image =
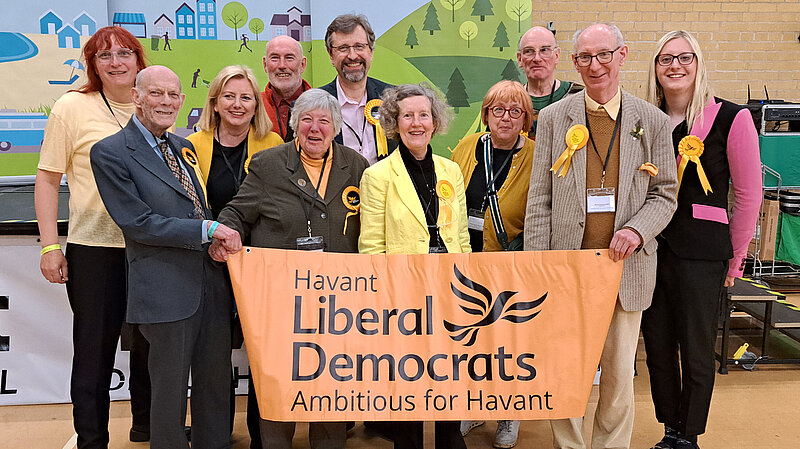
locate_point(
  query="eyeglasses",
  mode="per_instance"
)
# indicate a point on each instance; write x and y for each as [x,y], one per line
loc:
[499,112]
[544,52]
[107,55]
[683,59]
[604,57]
[345,49]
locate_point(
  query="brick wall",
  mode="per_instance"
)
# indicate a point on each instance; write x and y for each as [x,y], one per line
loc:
[744,42]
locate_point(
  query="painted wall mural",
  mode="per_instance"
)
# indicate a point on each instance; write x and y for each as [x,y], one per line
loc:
[461,47]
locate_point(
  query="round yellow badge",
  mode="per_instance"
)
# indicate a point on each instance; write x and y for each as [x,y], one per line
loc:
[351,198]
[371,111]
[691,146]
[189,156]
[445,190]
[577,136]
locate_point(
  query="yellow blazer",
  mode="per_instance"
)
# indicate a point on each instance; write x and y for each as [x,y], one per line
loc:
[392,219]
[203,142]
[512,196]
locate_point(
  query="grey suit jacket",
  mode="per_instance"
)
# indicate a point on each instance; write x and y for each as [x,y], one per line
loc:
[556,210]
[163,240]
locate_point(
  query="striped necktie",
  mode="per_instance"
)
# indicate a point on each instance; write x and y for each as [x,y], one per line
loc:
[182,177]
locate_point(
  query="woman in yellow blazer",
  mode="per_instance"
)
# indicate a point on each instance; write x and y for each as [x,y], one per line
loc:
[413,202]
[507,157]
[506,111]
[233,126]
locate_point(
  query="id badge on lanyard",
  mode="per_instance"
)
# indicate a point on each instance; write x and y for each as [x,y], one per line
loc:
[600,200]
[475,220]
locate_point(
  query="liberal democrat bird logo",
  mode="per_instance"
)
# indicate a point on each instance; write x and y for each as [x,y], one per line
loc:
[489,311]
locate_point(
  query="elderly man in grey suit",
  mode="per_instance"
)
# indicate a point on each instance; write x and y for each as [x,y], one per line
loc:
[149,182]
[618,193]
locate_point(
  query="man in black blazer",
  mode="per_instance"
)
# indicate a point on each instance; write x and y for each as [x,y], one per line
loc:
[149,182]
[350,40]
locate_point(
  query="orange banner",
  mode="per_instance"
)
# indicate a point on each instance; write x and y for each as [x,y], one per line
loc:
[501,335]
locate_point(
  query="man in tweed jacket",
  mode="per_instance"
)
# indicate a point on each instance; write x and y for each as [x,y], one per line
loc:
[629,133]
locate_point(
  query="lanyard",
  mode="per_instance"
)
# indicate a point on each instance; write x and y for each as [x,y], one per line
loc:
[358,137]
[610,145]
[237,177]
[307,211]
[109,108]
[488,155]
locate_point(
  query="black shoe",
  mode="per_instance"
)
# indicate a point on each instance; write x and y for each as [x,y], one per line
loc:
[143,435]
[686,443]
[669,440]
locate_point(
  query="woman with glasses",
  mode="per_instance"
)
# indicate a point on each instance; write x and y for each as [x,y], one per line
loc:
[497,169]
[93,265]
[701,251]
[413,202]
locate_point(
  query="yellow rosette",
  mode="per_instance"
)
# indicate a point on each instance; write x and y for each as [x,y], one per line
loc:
[351,198]
[691,148]
[446,193]
[576,138]
[373,117]
[191,159]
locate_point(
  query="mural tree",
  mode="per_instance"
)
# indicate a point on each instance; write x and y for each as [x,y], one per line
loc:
[457,91]
[431,20]
[411,37]
[257,25]
[453,5]
[518,10]
[510,72]
[468,30]
[234,14]
[501,37]
[482,8]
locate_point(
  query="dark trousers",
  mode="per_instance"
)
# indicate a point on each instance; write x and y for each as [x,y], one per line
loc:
[253,415]
[201,342]
[680,330]
[96,292]
[410,435]
[321,435]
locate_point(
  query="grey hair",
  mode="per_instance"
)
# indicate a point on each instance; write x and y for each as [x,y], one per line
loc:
[346,23]
[313,99]
[390,109]
[614,29]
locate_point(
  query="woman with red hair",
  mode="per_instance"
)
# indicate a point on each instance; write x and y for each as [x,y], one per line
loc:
[94,266]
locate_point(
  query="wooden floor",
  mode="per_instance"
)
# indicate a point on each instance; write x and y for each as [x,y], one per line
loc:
[753,410]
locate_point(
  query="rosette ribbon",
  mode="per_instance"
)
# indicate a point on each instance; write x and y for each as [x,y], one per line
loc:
[576,138]
[373,117]
[691,148]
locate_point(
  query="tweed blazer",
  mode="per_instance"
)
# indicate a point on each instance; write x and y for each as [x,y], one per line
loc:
[392,219]
[556,212]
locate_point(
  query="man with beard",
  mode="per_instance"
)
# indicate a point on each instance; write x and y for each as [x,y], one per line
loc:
[537,55]
[350,41]
[284,63]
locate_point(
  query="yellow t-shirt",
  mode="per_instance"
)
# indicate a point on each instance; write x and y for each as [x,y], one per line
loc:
[78,121]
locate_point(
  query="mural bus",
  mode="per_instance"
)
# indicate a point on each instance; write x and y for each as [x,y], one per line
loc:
[21,132]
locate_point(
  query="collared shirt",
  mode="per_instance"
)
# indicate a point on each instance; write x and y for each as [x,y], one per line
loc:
[611,107]
[154,141]
[356,132]
[282,107]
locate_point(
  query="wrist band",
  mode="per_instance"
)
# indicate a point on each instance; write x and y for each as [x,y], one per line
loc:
[211,228]
[49,248]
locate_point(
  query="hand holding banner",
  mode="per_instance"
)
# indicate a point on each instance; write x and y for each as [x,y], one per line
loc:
[505,335]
